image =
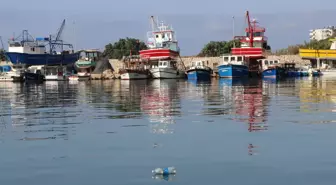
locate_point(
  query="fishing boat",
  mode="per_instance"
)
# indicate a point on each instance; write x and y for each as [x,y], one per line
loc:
[252,48]
[303,70]
[233,66]
[134,68]
[199,71]
[34,74]
[27,50]
[166,69]
[291,70]
[8,73]
[54,73]
[272,69]
[163,52]
[87,63]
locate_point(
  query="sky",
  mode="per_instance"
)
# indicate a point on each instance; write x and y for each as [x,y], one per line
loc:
[93,24]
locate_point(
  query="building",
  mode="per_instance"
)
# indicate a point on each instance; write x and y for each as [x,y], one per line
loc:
[323,33]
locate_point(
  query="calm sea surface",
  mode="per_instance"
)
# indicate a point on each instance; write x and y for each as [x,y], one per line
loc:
[116,132]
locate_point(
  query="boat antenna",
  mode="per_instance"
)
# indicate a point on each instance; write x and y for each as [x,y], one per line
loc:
[233,31]
[2,45]
[74,32]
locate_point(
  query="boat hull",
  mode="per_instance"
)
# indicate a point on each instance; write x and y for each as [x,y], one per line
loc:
[54,78]
[274,73]
[166,73]
[5,78]
[233,71]
[304,73]
[293,73]
[28,76]
[199,74]
[42,59]
[73,78]
[133,74]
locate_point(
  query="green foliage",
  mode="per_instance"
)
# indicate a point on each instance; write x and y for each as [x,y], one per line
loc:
[2,55]
[217,48]
[314,44]
[123,48]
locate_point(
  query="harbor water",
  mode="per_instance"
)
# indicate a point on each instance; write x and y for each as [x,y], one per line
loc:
[220,132]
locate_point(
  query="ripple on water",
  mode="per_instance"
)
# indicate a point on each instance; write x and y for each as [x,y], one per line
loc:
[86,129]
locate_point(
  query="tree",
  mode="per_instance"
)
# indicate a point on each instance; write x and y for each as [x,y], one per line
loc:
[2,55]
[216,48]
[124,47]
[313,44]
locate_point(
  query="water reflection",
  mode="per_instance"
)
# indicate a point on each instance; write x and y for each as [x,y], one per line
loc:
[161,102]
[164,177]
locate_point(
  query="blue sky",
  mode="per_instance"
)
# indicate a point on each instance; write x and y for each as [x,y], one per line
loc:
[196,22]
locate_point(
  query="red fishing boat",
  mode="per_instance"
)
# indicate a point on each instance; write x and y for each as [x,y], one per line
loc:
[163,52]
[253,46]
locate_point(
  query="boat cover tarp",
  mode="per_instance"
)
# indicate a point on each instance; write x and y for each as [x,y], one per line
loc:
[102,65]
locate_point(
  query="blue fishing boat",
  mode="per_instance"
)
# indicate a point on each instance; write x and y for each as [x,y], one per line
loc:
[274,72]
[290,69]
[303,71]
[233,66]
[199,71]
[271,69]
[27,50]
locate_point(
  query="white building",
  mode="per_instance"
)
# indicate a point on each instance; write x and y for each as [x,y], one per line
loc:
[323,33]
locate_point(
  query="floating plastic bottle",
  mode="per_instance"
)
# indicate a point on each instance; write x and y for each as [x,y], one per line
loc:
[164,171]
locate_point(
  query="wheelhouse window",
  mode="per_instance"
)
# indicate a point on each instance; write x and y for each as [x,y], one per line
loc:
[239,59]
[226,59]
[266,62]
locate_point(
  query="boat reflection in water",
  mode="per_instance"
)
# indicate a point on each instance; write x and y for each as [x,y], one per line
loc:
[243,99]
[36,111]
[161,103]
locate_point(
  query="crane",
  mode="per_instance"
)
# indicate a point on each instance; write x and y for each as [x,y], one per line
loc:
[2,45]
[58,40]
[250,29]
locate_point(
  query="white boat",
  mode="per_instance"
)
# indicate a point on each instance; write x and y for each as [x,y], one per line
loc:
[54,73]
[83,76]
[166,69]
[5,78]
[8,73]
[329,73]
[134,68]
[163,52]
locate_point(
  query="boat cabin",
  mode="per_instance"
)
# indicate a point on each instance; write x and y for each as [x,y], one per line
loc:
[54,70]
[90,55]
[162,36]
[30,47]
[234,59]
[289,66]
[197,63]
[36,69]
[265,64]
[164,64]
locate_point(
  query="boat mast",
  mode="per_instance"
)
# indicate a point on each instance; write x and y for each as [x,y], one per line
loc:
[250,29]
[153,29]
[233,31]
